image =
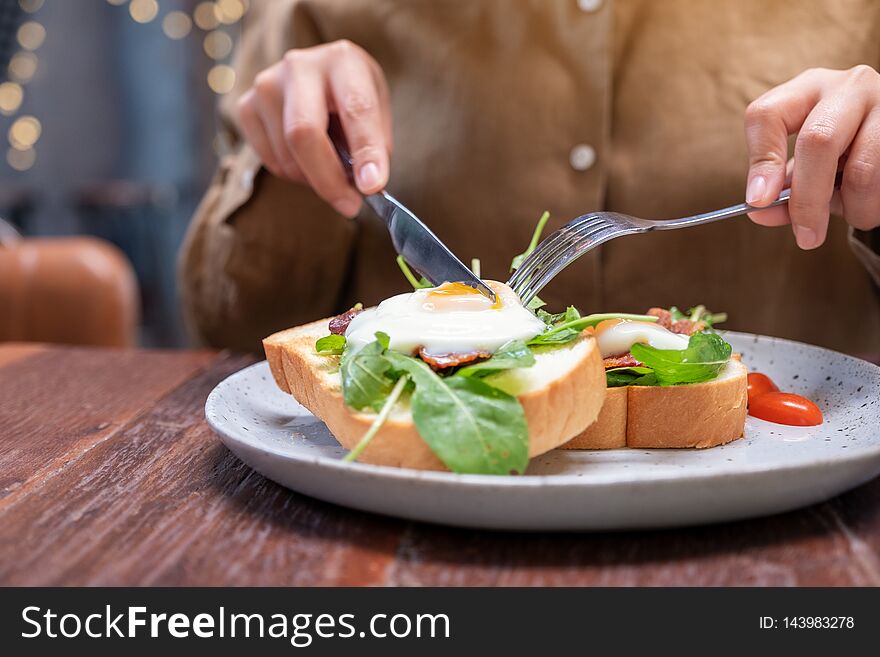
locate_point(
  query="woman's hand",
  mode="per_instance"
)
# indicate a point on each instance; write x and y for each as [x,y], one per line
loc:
[836,115]
[284,116]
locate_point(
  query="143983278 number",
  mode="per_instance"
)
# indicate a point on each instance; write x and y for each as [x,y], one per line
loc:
[818,622]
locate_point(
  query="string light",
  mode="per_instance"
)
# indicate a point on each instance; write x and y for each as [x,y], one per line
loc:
[11,96]
[217,44]
[31,35]
[221,78]
[205,16]
[30,6]
[24,132]
[22,66]
[229,11]
[176,25]
[21,160]
[143,11]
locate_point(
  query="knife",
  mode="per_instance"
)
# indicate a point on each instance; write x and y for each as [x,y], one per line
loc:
[422,250]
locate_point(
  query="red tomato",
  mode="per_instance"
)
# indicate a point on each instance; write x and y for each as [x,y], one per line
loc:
[785,408]
[760,384]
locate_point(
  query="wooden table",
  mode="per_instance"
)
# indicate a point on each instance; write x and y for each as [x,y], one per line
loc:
[110,476]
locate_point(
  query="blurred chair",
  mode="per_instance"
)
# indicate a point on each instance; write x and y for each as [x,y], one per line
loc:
[72,290]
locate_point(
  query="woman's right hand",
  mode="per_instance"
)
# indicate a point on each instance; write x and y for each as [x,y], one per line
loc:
[285,114]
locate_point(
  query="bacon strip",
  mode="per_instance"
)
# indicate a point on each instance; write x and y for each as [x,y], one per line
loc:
[687,327]
[339,324]
[663,315]
[624,360]
[442,361]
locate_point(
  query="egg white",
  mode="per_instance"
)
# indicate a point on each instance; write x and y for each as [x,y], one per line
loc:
[618,338]
[446,324]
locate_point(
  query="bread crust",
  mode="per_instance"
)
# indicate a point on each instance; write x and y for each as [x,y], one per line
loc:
[698,415]
[554,412]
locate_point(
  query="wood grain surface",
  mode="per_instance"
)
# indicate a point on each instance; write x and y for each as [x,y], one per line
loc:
[110,476]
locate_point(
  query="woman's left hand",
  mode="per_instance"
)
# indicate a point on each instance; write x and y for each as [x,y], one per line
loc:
[836,115]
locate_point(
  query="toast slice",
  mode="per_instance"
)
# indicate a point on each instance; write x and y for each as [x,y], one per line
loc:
[696,415]
[561,394]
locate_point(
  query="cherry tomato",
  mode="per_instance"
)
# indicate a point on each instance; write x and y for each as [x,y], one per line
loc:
[785,408]
[760,384]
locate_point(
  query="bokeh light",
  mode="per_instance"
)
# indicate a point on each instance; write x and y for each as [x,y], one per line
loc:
[30,6]
[11,96]
[117,2]
[24,132]
[143,11]
[21,160]
[31,35]
[176,25]
[23,66]
[221,79]
[217,44]
[205,15]
[229,11]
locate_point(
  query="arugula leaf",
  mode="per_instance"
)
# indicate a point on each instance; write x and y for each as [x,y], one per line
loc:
[536,236]
[510,355]
[417,284]
[569,329]
[364,381]
[617,377]
[389,403]
[471,426]
[330,345]
[676,314]
[705,356]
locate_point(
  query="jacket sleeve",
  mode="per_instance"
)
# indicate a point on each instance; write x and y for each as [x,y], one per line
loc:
[261,254]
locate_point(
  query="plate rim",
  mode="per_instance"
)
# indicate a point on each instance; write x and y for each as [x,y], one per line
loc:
[598,479]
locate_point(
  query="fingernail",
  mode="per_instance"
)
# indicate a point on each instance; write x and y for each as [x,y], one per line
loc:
[348,207]
[368,176]
[806,237]
[756,190]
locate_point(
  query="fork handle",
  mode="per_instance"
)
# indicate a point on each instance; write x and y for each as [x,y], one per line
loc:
[732,211]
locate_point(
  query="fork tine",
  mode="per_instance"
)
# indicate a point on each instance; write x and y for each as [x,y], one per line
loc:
[565,258]
[562,233]
[545,255]
[565,235]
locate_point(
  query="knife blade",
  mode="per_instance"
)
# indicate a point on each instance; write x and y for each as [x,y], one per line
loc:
[419,246]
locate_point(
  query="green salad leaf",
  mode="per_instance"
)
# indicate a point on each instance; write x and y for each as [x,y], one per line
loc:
[330,345]
[567,329]
[536,237]
[509,356]
[702,360]
[618,377]
[471,426]
[364,384]
[417,283]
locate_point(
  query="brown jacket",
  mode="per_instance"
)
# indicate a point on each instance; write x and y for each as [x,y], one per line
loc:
[505,108]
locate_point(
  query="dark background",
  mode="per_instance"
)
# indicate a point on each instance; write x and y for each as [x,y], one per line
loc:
[127,129]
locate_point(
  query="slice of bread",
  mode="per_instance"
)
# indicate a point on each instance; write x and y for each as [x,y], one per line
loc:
[696,415]
[561,394]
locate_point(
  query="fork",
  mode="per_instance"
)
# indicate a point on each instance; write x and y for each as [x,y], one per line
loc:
[588,231]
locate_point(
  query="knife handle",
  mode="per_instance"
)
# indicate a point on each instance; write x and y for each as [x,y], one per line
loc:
[337,137]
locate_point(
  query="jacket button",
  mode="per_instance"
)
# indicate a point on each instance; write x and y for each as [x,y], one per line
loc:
[589,6]
[582,157]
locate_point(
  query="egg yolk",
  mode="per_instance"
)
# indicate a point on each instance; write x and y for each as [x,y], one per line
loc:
[451,297]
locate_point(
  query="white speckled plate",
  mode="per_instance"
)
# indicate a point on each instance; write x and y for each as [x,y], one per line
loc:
[772,469]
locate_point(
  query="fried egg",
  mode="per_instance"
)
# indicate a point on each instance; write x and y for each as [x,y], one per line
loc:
[617,336]
[448,319]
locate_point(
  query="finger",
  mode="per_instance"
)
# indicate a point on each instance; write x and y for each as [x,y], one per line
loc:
[825,135]
[860,189]
[362,112]
[305,131]
[775,216]
[269,103]
[768,122]
[252,128]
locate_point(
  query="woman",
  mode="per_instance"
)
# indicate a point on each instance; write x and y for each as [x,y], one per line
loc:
[499,110]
